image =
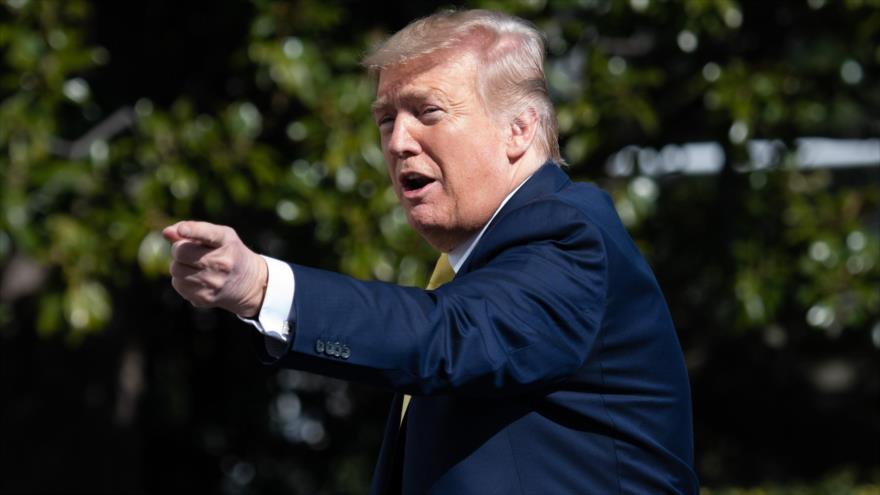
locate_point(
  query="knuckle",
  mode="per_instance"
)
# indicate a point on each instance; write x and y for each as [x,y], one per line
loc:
[201,299]
[179,285]
[175,250]
[214,284]
[223,265]
[181,250]
[228,234]
[176,271]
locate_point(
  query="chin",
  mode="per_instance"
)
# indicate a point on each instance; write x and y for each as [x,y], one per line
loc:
[424,219]
[441,237]
[438,235]
[440,241]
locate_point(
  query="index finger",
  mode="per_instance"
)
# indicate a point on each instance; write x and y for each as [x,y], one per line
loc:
[204,233]
[170,233]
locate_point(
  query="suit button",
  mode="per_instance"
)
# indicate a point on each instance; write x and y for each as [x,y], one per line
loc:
[319,346]
[346,352]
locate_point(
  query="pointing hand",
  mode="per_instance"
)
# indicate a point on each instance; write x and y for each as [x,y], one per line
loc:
[212,268]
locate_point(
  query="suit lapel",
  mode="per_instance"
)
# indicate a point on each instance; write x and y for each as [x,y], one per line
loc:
[546,180]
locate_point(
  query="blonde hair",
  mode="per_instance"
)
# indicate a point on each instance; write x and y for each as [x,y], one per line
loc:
[511,53]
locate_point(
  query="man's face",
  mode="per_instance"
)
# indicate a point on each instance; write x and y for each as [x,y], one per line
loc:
[446,155]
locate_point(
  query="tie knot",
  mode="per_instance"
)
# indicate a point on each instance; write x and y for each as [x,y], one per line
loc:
[443,272]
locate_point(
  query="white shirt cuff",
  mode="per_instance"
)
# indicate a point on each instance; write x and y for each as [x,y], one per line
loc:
[272,320]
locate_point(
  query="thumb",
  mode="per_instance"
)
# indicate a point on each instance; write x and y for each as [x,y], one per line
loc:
[204,233]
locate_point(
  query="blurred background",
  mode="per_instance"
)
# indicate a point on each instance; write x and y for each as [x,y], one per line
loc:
[739,140]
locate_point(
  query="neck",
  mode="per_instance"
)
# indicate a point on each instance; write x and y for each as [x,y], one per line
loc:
[525,166]
[460,251]
[520,170]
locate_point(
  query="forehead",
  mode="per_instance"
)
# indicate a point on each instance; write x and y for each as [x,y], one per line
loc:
[438,74]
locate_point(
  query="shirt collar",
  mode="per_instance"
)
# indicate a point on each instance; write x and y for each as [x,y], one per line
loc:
[460,254]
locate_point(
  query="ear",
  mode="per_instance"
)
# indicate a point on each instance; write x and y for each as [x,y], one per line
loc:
[522,134]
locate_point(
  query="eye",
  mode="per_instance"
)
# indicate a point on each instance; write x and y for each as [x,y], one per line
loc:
[430,113]
[385,121]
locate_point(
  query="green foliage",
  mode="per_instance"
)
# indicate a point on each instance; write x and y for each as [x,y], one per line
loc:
[288,155]
[819,244]
[180,162]
[842,483]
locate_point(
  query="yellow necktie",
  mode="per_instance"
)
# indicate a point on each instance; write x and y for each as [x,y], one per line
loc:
[443,273]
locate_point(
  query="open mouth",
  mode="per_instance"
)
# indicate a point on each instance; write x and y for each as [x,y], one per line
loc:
[414,182]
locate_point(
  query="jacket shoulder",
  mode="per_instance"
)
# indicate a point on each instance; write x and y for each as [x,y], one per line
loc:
[543,219]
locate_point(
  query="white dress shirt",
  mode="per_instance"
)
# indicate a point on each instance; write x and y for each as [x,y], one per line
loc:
[273,322]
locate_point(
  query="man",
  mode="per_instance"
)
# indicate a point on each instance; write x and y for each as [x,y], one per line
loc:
[550,363]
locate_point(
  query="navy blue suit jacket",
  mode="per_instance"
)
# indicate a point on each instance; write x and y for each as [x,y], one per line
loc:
[550,363]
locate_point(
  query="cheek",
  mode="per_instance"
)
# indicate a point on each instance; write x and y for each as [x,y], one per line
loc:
[389,169]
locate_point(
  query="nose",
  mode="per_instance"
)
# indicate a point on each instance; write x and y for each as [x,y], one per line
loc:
[402,143]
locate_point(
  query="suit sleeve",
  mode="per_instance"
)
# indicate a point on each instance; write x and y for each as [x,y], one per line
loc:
[526,314]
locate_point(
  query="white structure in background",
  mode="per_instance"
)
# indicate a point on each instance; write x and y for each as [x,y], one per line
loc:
[707,158]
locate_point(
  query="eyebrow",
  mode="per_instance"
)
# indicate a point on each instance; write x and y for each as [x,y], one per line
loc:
[385,102]
[379,105]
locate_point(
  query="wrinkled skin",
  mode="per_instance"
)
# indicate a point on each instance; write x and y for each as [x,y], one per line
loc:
[435,129]
[212,268]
